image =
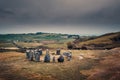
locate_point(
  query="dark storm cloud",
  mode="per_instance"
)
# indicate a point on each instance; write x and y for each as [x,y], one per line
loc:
[4,13]
[60,10]
[77,12]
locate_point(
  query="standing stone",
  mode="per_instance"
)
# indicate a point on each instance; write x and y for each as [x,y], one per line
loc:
[61,58]
[58,51]
[47,58]
[40,51]
[31,55]
[68,54]
[69,57]
[47,51]
[27,54]
[53,59]
[37,56]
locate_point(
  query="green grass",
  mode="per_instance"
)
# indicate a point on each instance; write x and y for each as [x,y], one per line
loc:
[31,37]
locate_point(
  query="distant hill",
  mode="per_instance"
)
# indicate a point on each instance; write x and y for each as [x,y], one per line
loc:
[54,40]
[31,37]
[39,39]
[106,41]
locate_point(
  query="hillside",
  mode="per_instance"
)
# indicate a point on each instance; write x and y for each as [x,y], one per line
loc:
[106,41]
[54,40]
[30,37]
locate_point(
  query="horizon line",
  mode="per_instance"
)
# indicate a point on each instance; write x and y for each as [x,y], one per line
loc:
[58,33]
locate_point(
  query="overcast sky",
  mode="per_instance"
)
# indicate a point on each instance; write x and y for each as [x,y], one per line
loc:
[60,16]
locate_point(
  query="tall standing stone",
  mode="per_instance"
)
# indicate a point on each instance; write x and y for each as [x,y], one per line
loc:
[37,56]
[47,56]
[40,51]
[31,55]
[53,59]
[27,54]
[58,52]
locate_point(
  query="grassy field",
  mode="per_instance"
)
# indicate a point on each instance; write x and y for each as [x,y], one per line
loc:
[14,66]
[53,44]
[32,44]
[6,44]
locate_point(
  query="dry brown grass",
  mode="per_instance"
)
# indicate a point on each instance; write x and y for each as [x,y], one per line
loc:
[107,41]
[3,44]
[32,44]
[20,67]
[107,69]
[14,66]
[101,40]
